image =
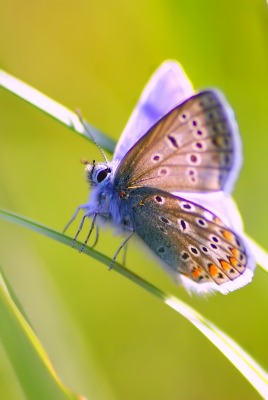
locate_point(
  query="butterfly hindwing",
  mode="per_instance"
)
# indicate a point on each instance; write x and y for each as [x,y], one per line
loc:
[190,240]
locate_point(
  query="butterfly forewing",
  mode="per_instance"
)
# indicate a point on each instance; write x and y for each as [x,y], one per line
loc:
[189,239]
[168,87]
[190,149]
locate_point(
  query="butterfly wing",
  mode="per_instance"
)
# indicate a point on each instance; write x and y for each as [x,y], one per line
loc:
[193,243]
[194,148]
[168,87]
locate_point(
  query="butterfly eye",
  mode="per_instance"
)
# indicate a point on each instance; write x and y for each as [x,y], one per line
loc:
[102,174]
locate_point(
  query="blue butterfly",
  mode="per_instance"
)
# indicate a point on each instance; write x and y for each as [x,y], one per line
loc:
[170,180]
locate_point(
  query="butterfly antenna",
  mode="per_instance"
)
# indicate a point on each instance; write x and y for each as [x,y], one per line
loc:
[91,135]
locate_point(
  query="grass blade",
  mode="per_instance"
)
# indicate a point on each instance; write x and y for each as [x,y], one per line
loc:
[260,254]
[248,367]
[54,109]
[30,361]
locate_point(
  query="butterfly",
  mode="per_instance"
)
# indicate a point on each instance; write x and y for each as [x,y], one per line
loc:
[170,180]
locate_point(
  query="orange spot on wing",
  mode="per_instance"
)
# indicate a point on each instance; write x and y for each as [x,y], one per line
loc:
[219,141]
[235,252]
[217,221]
[213,270]
[227,235]
[234,262]
[225,265]
[196,272]
[238,266]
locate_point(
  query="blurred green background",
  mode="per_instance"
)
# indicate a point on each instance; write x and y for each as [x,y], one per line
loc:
[106,337]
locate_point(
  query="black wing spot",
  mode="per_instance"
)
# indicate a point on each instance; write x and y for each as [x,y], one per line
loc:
[165,220]
[187,206]
[163,171]
[162,229]
[185,256]
[194,250]
[173,141]
[159,199]
[183,224]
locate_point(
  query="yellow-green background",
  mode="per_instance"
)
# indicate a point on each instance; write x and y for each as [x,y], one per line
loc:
[106,337]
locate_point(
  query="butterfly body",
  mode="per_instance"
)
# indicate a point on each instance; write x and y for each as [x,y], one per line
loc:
[171,186]
[107,200]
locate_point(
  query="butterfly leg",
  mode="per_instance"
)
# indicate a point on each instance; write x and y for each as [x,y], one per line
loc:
[82,207]
[120,248]
[89,233]
[96,238]
[79,229]
[124,255]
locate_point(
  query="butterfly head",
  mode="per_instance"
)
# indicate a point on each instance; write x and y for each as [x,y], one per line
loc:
[97,173]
